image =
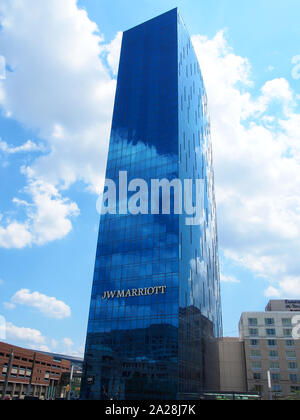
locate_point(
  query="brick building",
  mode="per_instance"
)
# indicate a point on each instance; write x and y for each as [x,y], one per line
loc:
[27,372]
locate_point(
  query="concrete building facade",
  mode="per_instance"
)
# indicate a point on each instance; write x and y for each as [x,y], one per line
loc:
[232,365]
[265,359]
[283,306]
[270,345]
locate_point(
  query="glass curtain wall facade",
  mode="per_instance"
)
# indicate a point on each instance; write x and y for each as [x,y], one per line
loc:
[159,342]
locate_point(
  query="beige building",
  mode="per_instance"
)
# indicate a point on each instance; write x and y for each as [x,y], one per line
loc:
[283,306]
[232,365]
[268,347]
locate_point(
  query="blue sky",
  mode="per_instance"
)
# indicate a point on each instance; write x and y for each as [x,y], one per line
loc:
[56,98]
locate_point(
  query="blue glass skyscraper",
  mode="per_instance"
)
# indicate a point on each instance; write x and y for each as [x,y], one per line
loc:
[155,310]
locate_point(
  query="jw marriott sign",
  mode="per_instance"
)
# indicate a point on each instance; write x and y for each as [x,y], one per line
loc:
[147,291]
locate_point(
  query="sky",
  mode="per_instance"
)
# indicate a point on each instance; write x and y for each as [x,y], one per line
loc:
[58,68]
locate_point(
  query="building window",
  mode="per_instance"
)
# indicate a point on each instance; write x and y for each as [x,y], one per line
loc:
[275,377]
[255,354]
[257,376]
[271,332]
[290,343]
[256,365]
[292,366]
[254,343]
[14,370]
[252,322]
[273,354]
[274,366]
[295,389]
[22,371]
[258,388]
[269,321]
[291,355]
[286,322]
[287,332]
[4,370]
[294,378]
[277,388]
[272,343]
[253,332]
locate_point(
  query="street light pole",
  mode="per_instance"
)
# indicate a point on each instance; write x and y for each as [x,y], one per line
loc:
[270,385]
[31,377]
[71,380]
[7,374]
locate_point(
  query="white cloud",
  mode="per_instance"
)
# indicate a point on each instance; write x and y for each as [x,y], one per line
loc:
[78,353]
[257,165]
[228,279]
[277,90]
[112,53]
[60,87]
[48,306]
[288,288]
[47,218]
[43,348]
[272,292]
[34,339]
[27,147]
[50,214]
[54,343]
[9,306]
[2,328]
[68,342]
[68,347]
[296,68]
[15,235]
[2,68]
[25,335]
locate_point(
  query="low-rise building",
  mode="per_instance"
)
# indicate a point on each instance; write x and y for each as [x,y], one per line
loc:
[30,373]
[270,346]
[265,359]
[283,306]
[232,365]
